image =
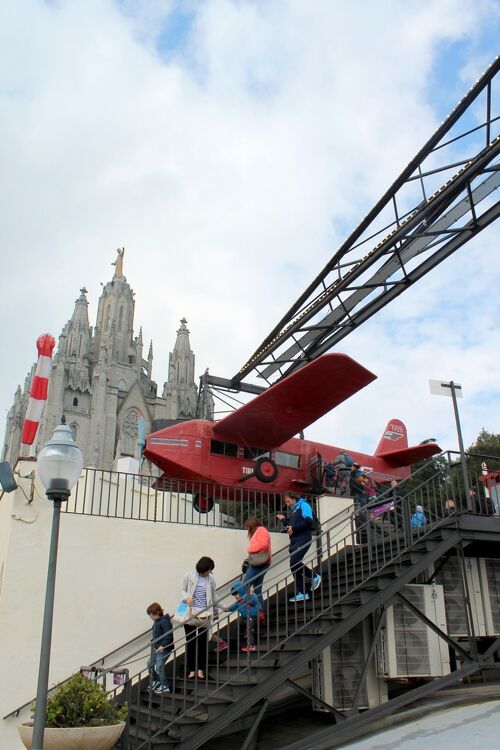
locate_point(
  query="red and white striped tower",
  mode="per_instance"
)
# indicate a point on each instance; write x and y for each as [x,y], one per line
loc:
[39,388]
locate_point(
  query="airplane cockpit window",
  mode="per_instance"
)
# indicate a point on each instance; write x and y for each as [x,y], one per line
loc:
[287,459]
[223,449]
[252,453]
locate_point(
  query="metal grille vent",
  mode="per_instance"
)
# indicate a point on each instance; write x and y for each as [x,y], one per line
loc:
[412,647]
[450,578]
[493,577]
[348,659]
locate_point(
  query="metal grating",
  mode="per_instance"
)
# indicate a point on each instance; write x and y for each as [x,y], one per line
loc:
[493,578]
[348,658]
[412,646]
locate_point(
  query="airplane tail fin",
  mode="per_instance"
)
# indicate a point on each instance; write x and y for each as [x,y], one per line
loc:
[394,438]
[393,446]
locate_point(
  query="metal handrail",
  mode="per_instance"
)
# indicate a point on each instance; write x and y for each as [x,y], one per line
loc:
[222,591]
[395,542]
[141,497]
[344,582]
[356,530]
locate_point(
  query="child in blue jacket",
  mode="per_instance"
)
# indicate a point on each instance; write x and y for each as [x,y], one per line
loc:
[418,518]
[248,606]
[162,644]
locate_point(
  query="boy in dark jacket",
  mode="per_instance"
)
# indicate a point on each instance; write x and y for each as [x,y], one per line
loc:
[162,644]
[248,606]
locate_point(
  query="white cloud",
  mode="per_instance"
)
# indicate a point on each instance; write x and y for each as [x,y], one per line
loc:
[229,168]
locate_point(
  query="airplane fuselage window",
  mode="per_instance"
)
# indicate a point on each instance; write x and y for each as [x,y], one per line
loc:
[254,452]
[287,459]
[223,449]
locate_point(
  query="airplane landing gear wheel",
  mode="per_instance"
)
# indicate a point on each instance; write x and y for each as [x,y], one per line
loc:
[265,470]
[203,503]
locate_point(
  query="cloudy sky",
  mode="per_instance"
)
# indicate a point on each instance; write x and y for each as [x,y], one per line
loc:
[231,146]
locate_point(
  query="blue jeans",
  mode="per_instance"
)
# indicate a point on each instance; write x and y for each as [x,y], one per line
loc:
[258,578]
[299,570]
[156,666]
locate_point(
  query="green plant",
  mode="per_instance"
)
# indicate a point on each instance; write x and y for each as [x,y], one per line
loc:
[80,702]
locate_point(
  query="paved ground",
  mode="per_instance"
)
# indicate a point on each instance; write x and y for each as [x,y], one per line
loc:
[464,718]
[474,727]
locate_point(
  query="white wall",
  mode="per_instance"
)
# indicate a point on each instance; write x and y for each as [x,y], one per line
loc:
[108,571]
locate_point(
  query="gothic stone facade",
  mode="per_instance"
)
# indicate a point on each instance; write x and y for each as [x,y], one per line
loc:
[102,384]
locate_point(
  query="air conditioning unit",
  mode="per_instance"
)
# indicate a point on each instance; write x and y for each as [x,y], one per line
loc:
[407,647]
[450,577]
[489,574]
[339,668]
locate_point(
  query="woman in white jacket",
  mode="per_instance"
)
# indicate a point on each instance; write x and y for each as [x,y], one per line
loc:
[199,593]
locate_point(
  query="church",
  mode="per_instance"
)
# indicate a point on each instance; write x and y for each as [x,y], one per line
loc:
[103,384]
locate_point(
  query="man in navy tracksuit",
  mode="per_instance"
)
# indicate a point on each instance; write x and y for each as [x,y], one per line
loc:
[299,526]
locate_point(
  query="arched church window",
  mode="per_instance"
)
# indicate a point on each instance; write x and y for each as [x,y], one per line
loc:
[75,401]
[120,318]
[74,429]
[122,385]
[108,317]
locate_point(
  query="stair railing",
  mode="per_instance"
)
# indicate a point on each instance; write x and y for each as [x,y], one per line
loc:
[372,537]
[375,540]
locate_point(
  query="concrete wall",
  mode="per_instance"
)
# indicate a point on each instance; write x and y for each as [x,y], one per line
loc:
[108,571]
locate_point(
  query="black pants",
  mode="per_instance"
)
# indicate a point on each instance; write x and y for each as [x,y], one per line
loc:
[196,648]
[300,571]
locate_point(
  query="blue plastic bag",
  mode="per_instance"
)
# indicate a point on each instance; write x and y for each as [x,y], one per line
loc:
[182,613]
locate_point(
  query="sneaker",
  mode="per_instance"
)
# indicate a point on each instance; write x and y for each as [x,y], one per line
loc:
[316,582]
[246,649]
[299,598]
[159,689]
[221,645]
[154,685]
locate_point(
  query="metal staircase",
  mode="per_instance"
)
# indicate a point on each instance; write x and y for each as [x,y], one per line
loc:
[363,568]
[365,559]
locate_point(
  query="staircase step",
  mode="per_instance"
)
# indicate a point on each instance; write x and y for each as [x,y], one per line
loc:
[175,703]
[139,734]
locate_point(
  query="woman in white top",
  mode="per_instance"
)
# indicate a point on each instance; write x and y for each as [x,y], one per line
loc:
[199,593]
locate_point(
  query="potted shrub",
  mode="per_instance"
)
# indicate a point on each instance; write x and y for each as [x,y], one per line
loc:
[80,716]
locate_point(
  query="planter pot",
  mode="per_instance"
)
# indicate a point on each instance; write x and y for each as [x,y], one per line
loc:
[74,738]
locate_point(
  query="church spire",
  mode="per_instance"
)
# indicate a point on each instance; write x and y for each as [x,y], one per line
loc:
[182,344]
[115,317]
[75,337]
[181,388]
[150,360]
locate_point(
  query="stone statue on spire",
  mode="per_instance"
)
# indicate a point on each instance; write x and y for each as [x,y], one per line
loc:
[118,263]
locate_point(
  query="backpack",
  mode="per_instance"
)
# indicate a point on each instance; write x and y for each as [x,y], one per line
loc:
[347,459]
[316,525]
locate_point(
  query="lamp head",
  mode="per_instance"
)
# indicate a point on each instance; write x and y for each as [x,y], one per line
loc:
[60,463]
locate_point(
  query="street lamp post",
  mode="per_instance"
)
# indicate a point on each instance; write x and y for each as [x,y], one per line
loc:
[59,467]
[438,388]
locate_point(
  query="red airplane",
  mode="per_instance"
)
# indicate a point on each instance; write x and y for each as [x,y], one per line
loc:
[255,443]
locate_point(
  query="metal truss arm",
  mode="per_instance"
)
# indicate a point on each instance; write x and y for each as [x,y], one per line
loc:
[420,214]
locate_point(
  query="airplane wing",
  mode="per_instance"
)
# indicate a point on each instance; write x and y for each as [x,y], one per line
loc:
[408,456]
[295,402]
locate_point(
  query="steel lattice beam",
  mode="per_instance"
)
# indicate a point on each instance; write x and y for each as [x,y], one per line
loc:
[429,212]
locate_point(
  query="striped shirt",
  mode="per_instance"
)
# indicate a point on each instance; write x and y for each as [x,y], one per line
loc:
[200,594]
